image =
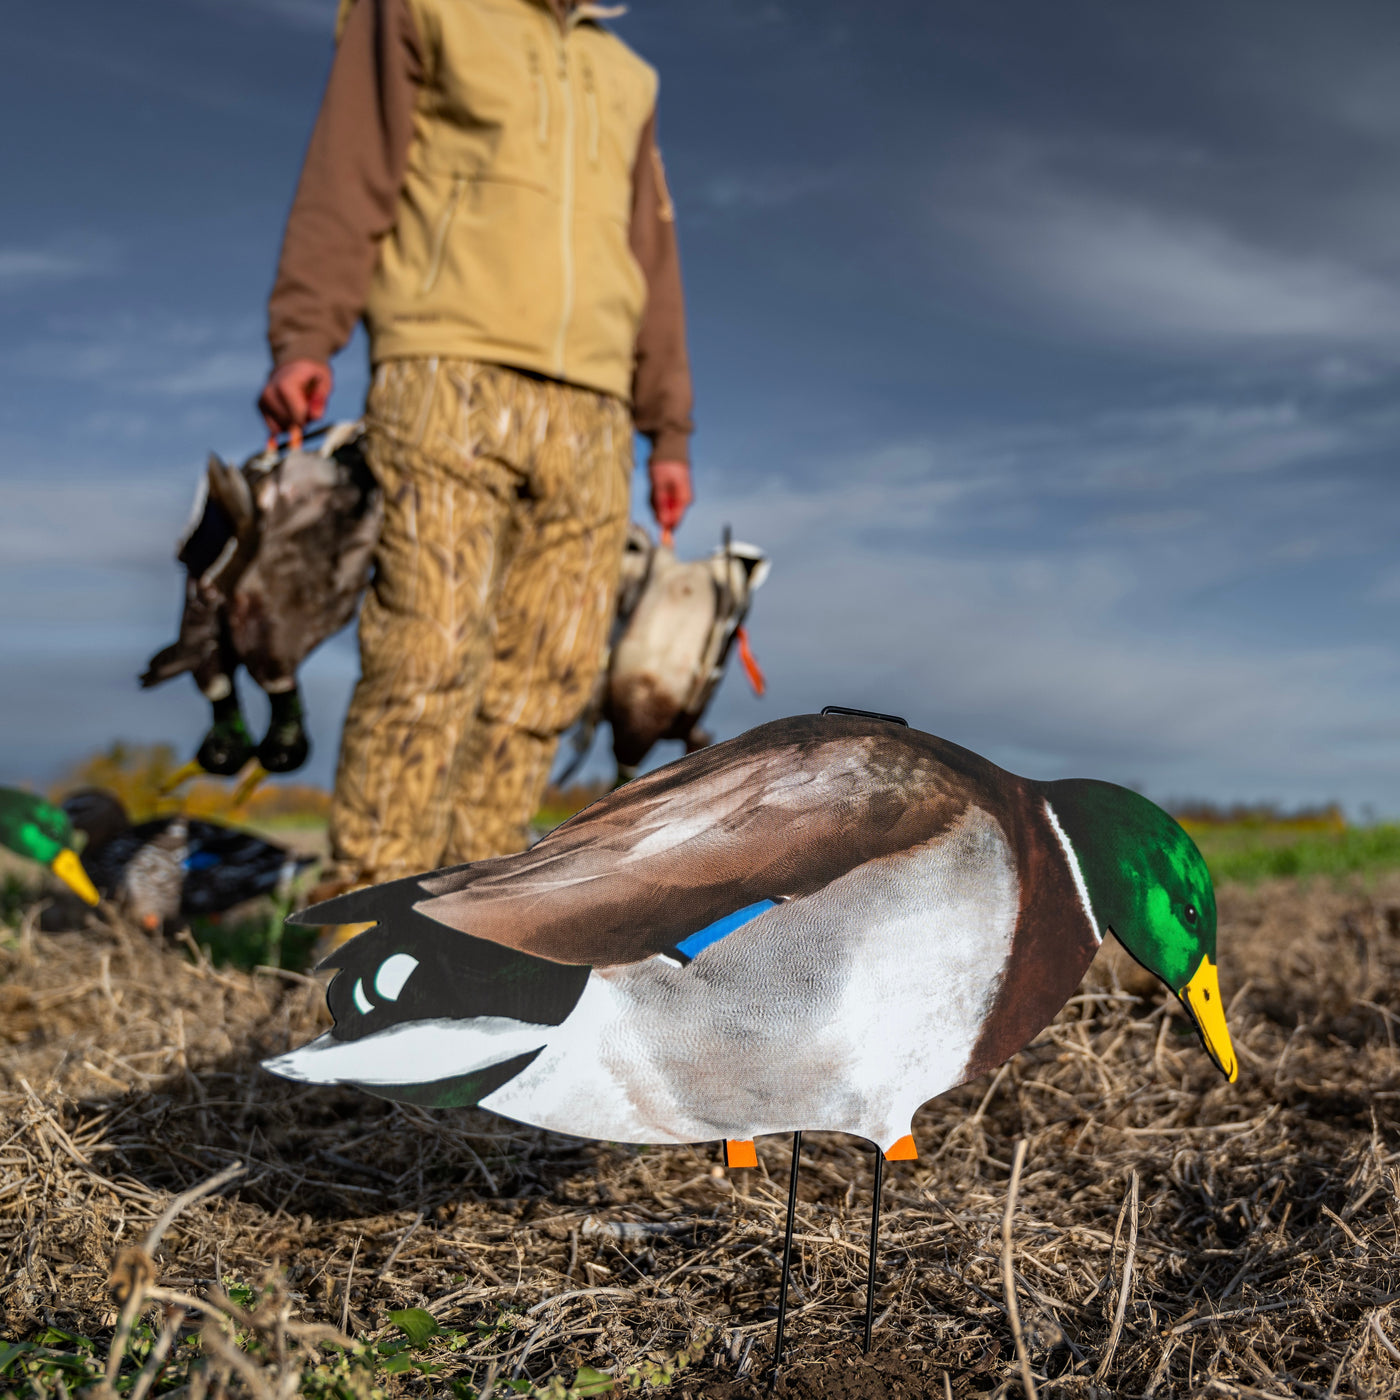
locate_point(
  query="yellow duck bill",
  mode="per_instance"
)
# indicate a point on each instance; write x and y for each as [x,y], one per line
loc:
[1201,998]
[69,869]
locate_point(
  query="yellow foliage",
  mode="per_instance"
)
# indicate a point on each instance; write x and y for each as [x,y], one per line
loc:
[139,773]
[1202,816]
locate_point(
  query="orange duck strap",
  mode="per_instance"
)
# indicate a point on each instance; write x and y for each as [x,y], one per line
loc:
[746,656]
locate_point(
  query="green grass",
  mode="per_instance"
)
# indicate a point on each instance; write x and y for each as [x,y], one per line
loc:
[15,898]
[262,940]
[412,1343]
[1250,852]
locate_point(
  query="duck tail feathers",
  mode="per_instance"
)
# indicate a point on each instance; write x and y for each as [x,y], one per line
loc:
[371,905]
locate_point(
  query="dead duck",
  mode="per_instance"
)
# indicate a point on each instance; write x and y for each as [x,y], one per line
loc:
[677,623]
[176,867]
[276,557]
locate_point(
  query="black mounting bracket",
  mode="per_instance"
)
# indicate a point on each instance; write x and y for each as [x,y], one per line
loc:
[863,714]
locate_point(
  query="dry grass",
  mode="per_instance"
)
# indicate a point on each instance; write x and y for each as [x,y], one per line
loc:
[1171,1235]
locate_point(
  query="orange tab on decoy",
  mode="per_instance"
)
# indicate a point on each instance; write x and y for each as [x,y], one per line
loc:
[750,665]
[903,1151]
[740,1154]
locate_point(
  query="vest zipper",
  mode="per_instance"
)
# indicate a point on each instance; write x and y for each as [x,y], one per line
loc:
[440,236]
[566,211]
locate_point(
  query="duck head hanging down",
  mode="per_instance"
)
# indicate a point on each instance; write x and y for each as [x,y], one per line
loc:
[820,924]
[276,557]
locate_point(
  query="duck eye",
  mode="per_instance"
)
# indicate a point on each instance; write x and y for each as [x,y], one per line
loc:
[1191,915]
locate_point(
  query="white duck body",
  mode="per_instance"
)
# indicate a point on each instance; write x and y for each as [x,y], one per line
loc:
[670,656]
[817,1013]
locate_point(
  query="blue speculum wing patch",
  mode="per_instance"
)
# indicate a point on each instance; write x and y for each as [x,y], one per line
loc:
[693,945]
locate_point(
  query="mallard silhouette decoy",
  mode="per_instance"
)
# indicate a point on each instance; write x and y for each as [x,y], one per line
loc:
[174,867]
[31,827]
[823,923]
[276,559]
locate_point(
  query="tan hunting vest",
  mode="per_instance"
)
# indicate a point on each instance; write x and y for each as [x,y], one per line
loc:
[510,244]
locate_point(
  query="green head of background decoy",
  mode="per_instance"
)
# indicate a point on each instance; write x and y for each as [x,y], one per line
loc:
[37,829]
[1149,886]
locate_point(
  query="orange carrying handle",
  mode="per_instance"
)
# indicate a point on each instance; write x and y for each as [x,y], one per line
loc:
[750,665]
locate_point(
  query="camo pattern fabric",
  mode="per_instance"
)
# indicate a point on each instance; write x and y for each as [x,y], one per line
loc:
[506,503]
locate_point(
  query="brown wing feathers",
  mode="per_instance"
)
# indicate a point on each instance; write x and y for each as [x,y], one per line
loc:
[778,812]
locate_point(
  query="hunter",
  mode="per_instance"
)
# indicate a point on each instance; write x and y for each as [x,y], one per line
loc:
[483,188]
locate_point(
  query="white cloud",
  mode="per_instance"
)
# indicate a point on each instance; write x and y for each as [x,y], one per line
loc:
[746,191]
[1052,662]
[106,522]
[138,356]
[1385,588]
[21,267]
[1060,596]
[1151,267]
[216,372]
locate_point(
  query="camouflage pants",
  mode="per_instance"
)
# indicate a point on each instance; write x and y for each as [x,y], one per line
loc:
[506,506]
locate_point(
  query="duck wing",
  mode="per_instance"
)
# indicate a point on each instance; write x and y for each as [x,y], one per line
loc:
[319,524]
[215,550]
[774,814]
[224,866]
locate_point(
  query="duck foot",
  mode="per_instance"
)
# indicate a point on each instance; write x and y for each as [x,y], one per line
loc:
[285,747]
[739,1152]
[874,1247]
[228,745]
[787,1261]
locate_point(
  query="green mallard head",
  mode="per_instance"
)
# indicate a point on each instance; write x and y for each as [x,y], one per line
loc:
[1148,885]
[37,829]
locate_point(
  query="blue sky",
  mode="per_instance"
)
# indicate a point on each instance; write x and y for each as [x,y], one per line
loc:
[1052,352]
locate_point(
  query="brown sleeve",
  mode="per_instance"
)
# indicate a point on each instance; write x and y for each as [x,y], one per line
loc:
[661,392]
[350,181]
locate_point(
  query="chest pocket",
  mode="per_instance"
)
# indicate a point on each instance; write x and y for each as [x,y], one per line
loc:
[612,108]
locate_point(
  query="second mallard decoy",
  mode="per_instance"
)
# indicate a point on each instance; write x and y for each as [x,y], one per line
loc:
[174,867]
[31,827]
[276,558]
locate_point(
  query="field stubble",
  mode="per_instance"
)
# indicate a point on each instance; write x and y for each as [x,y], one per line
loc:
[1172,1235]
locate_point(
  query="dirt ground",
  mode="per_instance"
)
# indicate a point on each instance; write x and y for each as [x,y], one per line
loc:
[1256,1257]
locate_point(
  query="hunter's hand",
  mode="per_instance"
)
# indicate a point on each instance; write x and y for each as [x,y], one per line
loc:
[295,394]
[670,493]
